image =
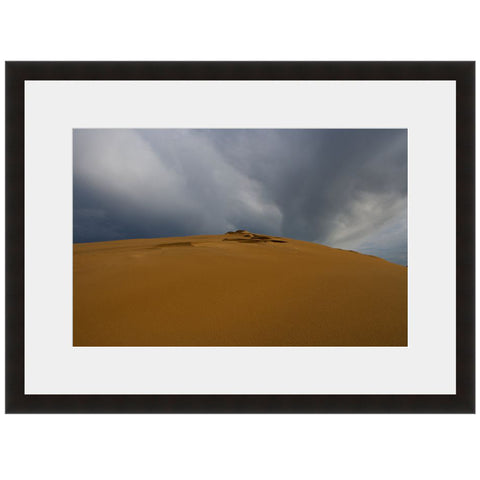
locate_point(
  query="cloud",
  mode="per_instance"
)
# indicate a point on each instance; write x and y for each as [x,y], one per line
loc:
[345,188]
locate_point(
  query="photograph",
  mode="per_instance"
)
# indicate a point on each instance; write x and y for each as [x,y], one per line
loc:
[240,237]
[240,240]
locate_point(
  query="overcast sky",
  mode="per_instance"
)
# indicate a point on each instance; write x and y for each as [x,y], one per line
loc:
[343,188]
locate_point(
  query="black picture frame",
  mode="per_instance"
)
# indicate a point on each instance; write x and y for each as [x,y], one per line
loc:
[463,73]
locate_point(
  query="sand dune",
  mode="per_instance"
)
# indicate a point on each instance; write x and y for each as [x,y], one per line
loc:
[237,289]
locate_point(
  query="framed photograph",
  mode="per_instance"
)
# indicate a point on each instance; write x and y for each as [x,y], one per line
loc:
[240,237]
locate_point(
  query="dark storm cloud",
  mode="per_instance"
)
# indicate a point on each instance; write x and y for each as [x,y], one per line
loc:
[344,188]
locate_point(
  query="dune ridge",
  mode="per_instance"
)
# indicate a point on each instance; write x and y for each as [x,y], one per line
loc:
[236,289]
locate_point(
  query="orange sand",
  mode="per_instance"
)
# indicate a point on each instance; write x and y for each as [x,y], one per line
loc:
[237,289]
